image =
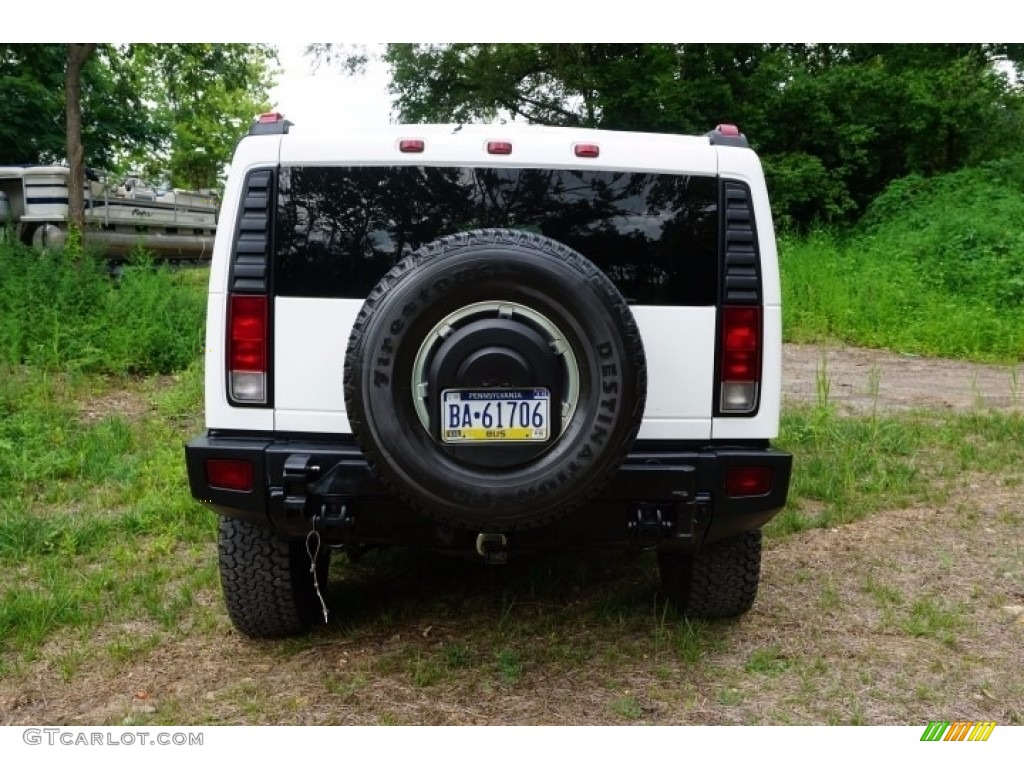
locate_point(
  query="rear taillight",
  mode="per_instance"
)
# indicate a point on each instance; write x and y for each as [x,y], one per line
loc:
[740,373]
[229,474]
[247,348]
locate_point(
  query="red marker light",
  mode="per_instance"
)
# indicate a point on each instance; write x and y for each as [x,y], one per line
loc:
[229,474]
[411,145]
[499,147]
[586,150]
[748,481]
[271,117]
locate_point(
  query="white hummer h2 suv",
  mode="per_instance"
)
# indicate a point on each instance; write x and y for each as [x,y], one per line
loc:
[487,340]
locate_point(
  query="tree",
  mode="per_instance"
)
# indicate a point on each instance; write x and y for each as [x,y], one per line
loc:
[850,119]
[204,98]
[32,90]
[832,123]
[177,109]
[619,86]
[78,54]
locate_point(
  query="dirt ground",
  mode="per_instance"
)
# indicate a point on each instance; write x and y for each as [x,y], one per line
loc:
[861,379]
[903,617]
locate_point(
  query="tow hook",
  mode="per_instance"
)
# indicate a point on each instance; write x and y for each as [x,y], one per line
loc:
[493,548]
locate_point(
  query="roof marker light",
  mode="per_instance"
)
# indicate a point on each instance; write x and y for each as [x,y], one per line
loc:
[586,150]
[411,145]
[499,147]
[727,129]
[269,124]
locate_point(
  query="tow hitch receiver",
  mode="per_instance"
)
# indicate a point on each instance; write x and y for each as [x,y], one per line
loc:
[493,548]
[649,525]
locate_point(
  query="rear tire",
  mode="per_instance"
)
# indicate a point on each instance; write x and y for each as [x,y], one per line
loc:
[718,582]
[267,583]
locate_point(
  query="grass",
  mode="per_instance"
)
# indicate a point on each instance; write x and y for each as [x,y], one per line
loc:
[96,527]
[849,289]
[932,617]
[627,707]
[106,562]
[103,556]
[768,661]
[848,467]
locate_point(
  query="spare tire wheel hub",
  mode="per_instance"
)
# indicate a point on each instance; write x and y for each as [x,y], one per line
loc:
[495,373]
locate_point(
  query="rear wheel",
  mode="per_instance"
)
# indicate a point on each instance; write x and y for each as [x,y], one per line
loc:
[267,582]
[718,582]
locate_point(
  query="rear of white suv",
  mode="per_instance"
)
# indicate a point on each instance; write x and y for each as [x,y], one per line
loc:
[491,340]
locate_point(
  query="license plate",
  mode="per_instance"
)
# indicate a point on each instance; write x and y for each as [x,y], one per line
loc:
[495,415]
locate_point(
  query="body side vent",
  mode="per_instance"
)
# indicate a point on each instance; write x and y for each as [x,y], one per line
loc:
[741,264]
[250,256]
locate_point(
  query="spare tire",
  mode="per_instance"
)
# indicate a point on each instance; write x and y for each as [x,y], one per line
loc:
[512,319]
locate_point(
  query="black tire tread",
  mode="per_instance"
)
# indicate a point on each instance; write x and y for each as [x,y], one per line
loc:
[266,580]
[719,581]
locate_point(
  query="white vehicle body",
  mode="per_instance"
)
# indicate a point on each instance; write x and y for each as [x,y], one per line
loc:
[485,340]
[680,341]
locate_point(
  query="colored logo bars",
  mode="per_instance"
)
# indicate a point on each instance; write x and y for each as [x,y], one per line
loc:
[959,730]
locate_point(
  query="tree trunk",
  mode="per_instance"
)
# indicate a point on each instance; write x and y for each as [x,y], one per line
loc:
[78,54]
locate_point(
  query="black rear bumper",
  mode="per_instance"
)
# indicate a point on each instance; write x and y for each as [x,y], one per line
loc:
[668,496]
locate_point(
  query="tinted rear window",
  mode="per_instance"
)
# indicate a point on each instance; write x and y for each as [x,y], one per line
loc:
[339,230]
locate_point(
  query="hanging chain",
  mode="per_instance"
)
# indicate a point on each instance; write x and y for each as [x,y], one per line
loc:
[313,550]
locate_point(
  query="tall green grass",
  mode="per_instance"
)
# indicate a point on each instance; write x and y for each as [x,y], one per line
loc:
[61,310]
[936,267]
[96,522]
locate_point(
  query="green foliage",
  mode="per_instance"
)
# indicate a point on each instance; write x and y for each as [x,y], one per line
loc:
[187,103]
[659,87]
[964,231]
[203,99]
[31,83]
[833,123]
[936,267]
[116,118]
[61,310]
[802,188]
